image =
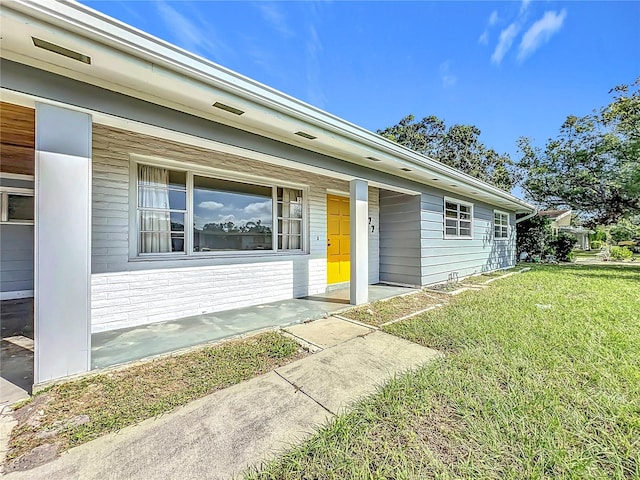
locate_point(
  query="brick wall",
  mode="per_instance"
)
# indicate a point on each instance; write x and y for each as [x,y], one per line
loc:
[127,292]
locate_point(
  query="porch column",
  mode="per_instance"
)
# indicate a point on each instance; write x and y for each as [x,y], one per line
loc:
[359,236]
[62,243]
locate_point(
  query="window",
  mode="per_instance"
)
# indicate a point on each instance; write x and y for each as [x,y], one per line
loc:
[289,219]
[16,206]
[231,215]
[226,215]
[162,206]
[500,225]
[458,217]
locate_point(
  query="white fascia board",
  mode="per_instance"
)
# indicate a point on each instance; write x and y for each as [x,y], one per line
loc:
[568,212]
[104,29]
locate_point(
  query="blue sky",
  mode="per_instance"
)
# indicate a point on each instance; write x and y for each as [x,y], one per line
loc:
[510,68]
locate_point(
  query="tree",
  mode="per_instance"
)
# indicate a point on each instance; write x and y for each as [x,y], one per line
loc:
[593,165]
[533,235]
[458,146]
[625,230]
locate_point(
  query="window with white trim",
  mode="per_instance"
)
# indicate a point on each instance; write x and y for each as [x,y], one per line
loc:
[500,225]
[458,219]
[16,205]
[227,215]
[162,207]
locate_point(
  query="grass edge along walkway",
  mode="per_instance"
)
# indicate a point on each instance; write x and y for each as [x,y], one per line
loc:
[68,414]
[541,380]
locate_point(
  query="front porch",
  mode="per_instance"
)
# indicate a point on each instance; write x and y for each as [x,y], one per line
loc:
[127,345]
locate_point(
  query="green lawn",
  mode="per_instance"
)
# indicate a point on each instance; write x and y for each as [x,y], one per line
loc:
[541,380]
[72,413]
[389,309]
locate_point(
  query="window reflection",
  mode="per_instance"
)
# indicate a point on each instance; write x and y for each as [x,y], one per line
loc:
[231,215]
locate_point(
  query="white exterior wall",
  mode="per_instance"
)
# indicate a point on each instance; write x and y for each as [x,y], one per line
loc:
[127,292]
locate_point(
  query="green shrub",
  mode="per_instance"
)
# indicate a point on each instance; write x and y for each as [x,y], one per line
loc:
[533,235]
[621,253]
[572,256]
[596,244]
[562,246]
[600,234]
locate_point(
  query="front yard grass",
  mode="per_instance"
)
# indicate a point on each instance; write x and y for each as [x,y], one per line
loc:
[72,413]
[382,311]
[541,380]
[484,277]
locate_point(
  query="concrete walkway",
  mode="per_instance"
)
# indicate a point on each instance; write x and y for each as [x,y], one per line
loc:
[219,436]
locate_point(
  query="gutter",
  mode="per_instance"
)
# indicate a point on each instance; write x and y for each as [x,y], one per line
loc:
[532,214]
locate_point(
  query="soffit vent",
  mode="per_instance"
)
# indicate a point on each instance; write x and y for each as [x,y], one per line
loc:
[306,135]
[374,159]
[404,169]
[228,108]
[65,52]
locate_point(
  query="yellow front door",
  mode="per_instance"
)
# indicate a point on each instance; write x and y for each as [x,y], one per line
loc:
[338,245]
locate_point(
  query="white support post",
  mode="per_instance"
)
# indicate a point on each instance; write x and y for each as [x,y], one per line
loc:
[359,233]
[62,243]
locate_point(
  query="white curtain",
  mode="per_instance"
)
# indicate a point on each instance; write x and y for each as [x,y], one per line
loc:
[286,213]
[290,228]
[155,225]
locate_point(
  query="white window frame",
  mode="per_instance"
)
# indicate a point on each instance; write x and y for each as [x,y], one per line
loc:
[508,225]
[444,219]
[194,170]
[4,204]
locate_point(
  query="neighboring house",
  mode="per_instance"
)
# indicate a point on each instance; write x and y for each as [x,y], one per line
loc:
[167,186]
[561,222]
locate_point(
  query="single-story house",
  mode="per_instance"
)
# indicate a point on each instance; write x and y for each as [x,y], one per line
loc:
[561,222]
[142,183]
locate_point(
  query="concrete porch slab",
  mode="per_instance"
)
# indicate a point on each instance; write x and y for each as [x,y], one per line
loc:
[116,347]
[16,350]
[327,332]
[338,376]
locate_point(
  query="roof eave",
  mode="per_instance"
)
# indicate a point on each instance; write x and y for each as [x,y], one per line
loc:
[112,32]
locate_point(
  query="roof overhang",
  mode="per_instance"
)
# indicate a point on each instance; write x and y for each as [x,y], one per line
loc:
[575,230]
[129,61]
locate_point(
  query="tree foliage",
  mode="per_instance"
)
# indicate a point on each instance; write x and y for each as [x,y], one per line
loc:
[533,235]
[561,246]
[593,166]
[458,146]
[625,230]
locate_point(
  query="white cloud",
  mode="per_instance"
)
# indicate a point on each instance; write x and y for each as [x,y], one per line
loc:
[541,32]
[259,208]
[447,77]
[524,6]
[315,94]
[493,19]
[507,36]
[274,16]
[211,205]
[195,35]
